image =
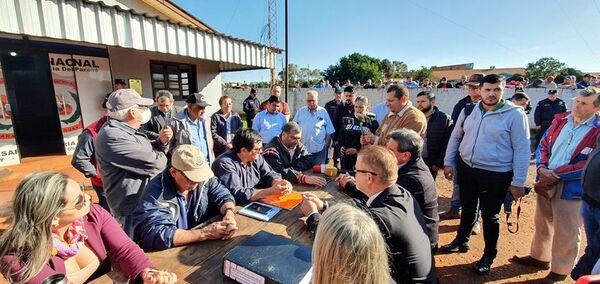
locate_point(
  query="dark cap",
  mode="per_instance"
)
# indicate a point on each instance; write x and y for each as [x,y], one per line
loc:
[126,98]
[349,89]
[197,98]
[475,79]
[120,81]
[338,90]
[253,90]
[552,91]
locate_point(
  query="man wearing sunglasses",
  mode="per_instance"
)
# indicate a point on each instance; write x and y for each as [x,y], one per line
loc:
[179,199]
[392,208]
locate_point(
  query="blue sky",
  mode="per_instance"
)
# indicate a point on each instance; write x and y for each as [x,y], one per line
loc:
[418,32]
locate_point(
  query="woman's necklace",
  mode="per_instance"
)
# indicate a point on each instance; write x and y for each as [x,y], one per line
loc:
[74,239]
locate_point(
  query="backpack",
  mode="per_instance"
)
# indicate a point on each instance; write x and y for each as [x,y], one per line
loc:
[468,110]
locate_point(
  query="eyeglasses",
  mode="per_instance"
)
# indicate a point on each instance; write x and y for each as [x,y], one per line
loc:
[366,172]
[81,200]
[188,180]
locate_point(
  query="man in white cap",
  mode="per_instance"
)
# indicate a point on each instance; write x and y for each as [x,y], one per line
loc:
[192,126]
[181,198]
[126,158]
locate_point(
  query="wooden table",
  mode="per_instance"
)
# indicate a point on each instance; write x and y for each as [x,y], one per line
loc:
[203,262]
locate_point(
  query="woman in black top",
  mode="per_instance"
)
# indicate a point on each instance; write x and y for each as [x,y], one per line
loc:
[351,131]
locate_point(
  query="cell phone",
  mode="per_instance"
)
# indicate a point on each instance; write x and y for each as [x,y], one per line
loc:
[258,208]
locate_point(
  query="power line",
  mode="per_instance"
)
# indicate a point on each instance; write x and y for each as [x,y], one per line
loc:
[591,51]
[233,15]
[464,27]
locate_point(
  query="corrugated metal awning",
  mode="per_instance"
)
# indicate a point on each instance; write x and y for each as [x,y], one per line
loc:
[79,20]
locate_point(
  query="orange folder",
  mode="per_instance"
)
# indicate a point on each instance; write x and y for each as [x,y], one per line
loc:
[285,201]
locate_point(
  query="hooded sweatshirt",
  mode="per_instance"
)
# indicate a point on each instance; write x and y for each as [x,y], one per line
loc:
[495,140]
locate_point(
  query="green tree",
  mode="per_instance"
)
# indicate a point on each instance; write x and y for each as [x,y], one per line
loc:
[293,74]
[399,69]
[543,68]
[355,67]
[423,73]
[570,71]
[387,68]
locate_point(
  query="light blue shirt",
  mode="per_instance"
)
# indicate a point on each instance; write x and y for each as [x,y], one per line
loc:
[567,140]
[268,124]
[316,125]
[380,110]
[198,134]
[411,85]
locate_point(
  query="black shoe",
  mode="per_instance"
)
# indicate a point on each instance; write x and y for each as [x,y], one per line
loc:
[484,265]
[454,246]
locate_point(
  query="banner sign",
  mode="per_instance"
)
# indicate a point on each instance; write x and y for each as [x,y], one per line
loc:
[9,152]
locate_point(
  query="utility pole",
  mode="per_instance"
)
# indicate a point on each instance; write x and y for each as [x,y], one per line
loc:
[286,52]
[272,34]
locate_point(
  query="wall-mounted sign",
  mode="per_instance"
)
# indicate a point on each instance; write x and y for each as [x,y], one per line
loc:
[136,84]
[9,152]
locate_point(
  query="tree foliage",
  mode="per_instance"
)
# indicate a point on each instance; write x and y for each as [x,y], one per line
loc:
[355,67]
[543,68]
[387,68]
[399,68]
[301,74]
[571,71]
[423,73]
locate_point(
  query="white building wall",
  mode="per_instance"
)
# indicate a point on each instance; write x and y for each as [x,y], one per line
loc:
[135,64]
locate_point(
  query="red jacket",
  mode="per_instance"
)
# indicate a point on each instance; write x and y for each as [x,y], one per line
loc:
[94,128]
[571,172]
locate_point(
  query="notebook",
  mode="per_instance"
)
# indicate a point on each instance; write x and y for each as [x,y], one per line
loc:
[286,201]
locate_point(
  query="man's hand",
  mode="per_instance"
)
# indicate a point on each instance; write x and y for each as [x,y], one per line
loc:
[309,196]
[153,276]
[231,224]
[342,180]
[308,207]
[165,134]
[367,138]
[517,191]
[315,180]
[448,173]
[229,146]
[281,186]
[215,230]
[537,127]
[541,190]
[434,168]
[547,176]
[350,151]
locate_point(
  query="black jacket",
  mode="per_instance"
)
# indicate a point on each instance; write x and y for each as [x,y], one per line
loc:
[546,110]
[590,179]
[343,114]
[158,119]
[403,228]
[439,128]
[349,135]
[218,129]
[416,178]
[331,106]
[458,107]
[289,165]
[250,107]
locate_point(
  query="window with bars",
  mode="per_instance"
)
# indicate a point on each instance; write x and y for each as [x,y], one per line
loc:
[177,78]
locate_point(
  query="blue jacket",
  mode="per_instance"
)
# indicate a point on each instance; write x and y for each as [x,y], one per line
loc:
[155,219]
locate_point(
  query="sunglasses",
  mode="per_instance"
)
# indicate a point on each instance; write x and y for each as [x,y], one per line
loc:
[80,201]
[365,172]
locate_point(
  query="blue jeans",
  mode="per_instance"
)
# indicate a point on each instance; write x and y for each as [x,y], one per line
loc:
[591,221]
[319,158]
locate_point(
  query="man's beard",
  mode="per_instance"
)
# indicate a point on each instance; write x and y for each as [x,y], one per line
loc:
[427,109]
[490,104]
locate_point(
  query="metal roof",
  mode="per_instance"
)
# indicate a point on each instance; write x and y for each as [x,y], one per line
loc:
[83,21]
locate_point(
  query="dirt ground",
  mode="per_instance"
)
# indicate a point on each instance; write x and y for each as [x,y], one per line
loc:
[457,268]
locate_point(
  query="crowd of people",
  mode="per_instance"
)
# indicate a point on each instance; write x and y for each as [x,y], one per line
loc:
[160,172]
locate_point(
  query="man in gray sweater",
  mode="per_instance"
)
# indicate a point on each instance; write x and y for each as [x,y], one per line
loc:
[126,158]
[490,148]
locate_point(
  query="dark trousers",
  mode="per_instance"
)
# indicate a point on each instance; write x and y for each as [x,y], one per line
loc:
[488,189]
[249,122]
[101,197]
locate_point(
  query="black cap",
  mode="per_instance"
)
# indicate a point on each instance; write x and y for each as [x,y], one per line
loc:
[552,91]
[120,81]
[349,89]
[475,79]
[197,98]
[253,90]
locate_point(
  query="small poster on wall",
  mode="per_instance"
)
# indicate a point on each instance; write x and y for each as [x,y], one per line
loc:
[136,84]
[9,152]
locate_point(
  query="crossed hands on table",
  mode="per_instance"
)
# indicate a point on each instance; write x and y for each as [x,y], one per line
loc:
[311,204]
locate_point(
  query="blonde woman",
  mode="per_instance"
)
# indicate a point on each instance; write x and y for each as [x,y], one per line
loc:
[350,135]
[56,231]
[349,248]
